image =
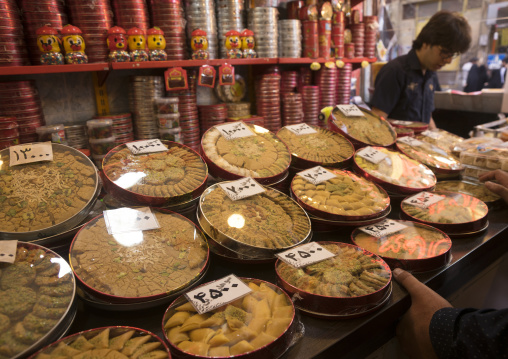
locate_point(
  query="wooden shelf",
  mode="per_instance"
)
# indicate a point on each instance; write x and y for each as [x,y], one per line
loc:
[190,63]
[53,69]
[306,60]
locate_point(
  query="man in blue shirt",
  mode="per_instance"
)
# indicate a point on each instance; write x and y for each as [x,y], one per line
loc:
[404,87]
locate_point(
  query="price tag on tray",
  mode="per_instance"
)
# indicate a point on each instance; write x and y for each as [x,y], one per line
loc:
[316,175]
[305,255]
[217,293]
[401,123]
[30,152]
[8,251]
[383,228]
[146,146]
[350,110]
[372,155]
[413,142]
[242,188]
[124,220]
[432,134]
[234,130]
[301,129]
[423,199]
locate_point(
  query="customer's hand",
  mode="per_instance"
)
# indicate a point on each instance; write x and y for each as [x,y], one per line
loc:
[413,329]
[500,188]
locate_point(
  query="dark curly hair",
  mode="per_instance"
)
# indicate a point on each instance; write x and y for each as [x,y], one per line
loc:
[447,29]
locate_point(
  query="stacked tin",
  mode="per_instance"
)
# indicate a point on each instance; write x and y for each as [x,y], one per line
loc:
[338,27]
[238,109]
[327,81]
[13,50]
[264,22]
[304,78]
[9,133]
[122,127]
[36,14]
[131,13]
[211,115]
[143,91]
[20,99]
[344,84]
[292,110]
[310,39]
[201,15]
[268,100]
[310,104]
[94,19]
[230,16]
[290,38]
[371,28]
[325,38]
[168,118]
[289,81]
[358,32]
[169,16]
[76,136]
[189,120]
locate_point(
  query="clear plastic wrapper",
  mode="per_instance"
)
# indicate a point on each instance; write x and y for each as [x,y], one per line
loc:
[441,138]
[489,158]
[477,190]
[416,126]
[474,142]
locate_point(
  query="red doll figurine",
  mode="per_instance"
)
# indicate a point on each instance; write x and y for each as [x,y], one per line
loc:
[117,44]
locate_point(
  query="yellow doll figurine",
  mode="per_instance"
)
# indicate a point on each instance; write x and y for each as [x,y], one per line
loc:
[199,45]
[74,45]
[49,45]
[248,44]
[233,45]
[156,44]
[137,44]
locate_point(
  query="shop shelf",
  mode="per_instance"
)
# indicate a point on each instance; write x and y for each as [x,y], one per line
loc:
[53,69]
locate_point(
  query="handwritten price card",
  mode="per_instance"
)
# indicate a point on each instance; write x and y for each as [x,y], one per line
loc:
[316,175]
[383,228]
[242,188]
[432,134]
[305,254]
[350,110]
[217,293]
[372,155]
[301,129]
[124,220]
[423,199]
[8,251]
[401,123]
[413,142]
[30,152]
[146,146]
[233,130]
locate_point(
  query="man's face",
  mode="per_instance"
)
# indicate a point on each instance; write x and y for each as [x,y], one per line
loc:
[434,57]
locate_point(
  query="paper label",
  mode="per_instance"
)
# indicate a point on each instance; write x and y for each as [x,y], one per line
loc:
[402,123]
[350,110]
[411,141]
[432,134]
[124,220]
[30,152]
[305,255]
[423,199]
[233,130]
[316,175]
[8,251]
[301,129]
[242,188]
[383,228]
[146,146]
[372,155]
[217,293]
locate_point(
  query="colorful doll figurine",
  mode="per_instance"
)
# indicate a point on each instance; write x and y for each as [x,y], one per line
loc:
[233,45]
[199,45]
[248,44]
[74,45]
[49,45]
[156,44]
[117,44]
[137,44]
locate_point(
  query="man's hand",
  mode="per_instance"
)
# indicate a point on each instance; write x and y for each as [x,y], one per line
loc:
[501,177]
[413,329]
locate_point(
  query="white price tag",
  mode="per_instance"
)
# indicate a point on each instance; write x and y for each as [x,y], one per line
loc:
[217,293]
[372,155]
[305,255]
[350,110]
[8,251]
[301,129]
[432,134]
[233,130]
[146,146]
[401,123]
[423,199]
[316,175]
[411,141]
[383,228]
[30,152]
[242,188]
[124,220]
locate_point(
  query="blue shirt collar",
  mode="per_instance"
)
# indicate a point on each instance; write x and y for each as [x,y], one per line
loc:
[413,61]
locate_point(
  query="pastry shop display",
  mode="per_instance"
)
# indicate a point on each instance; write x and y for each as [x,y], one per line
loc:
[438,159]
[40,199]
[139,266]
[261,156]
[352,283]
[474,142]
[163,178]
[416,126]
[362,131]
[474,189]
[323,147]
[490,158]
[37,296]
[108,342]
[455,214]
[255,227]
[416,247]
[441,138]
[395,172]
[346,197]
[260,324]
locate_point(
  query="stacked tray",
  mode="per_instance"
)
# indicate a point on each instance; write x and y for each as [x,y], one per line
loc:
[76,136]
[122,127]
[327,81]
[403,132]
[9,134]
[371,32]
[292,111]
[131,13]
[290,38]
[268,100]
[344,84]
[189,120]
[212,115]
[201,15]
[169,17]
[358,32]
[289,81]
[13,49]
[415,126]
[338,27]
[264,22]
[310,104]
[143,91]
[441,138]
[230,16]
